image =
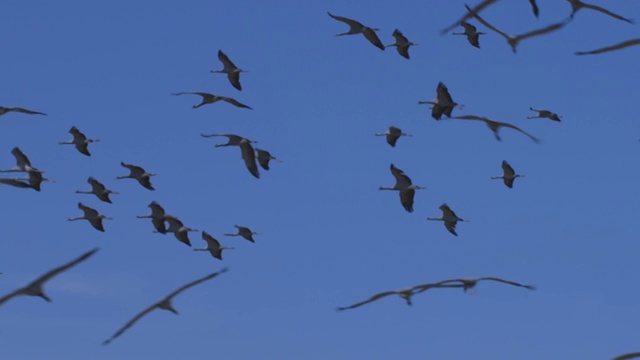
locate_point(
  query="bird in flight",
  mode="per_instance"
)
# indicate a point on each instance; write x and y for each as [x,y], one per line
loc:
[213,246]
[210,99]
[35,287]
[542,114]
[79,140]
[404,186]
[22,162]
[442,104]
[249,157]
[98,189]
[470,283]
[164,304]
[496,125]
[229,68]
[472,34]
[357,28]
[92,215]
[619,46]
[402,44]
[468,15]
[514,40]
[508,174]
[577,5]
[234,140]
[393,134]
[33,180]
[264,157]
[138,173]
[449,218]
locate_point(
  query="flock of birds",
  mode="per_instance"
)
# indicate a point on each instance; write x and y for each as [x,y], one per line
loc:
[253,158]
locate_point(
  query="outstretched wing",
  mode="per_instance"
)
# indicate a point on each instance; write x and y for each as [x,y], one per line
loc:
[535,139]
[236,103]
[354,25]
[406,199]
[373,298]
[194,283]
[534,7]
[530,287]
[468,15]
[485,23]
[373,38]
[228,64]
[42,279]
[621,45]
[607,12]
[130,323]
[249,157]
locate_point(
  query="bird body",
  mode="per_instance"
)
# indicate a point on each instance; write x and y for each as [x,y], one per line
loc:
[402,44]
[405,294]
[213,246]
[22,162]
[245,232]
[138,173]
[508,175]
[164,304]
[544,114]
[92,216]
[157,217]
[357,28]
[98,189]
[35,287]
[404,186]
[472,34]
[443,103]
[229,68]
[393,134]
[211,99]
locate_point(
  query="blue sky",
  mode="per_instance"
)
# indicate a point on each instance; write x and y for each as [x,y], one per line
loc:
[330,238]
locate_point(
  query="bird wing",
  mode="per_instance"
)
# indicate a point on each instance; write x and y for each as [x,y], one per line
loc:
[535,139]
[401,178]
[211,241]
[392,139]
[472,117]
[627,356]
[508,170]
[607,12]
[97,224]
[11,295]
[234,79]
[437,111]
[468,28]
[90,212]
[83,148]
[203,94]
[468,15]
[133,168]
[447,212]
[15,182]
[97,186]
[21,159]
[183,237]
[621,45]
[236,103]
[228,64]
[474,40]
[130,323]
[263,158]
[194,283]
[444,98]
[406,199]
[485,23]
[354,25]
[534,7]
[542,31]
[26,111]
[373,38]
[403,51]
[451,227]
[509,182]
[530,287]
[400,38]
[373,298]
[146,182]
[158,224]
[42,279]
[249,157]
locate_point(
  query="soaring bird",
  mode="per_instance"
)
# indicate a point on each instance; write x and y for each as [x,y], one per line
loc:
[35,287]
[213,246]
[470,283]
[179,230]
[468,15]
[577,5]
[514,40]
[405,294]
[544,114]
[449,218]
[92,215]
[249,157]
[138,173]
[472,34]
[229,68]
[404,186]
[5,110]
[210,99]
[33,180]
[234,140]
[496,125]
[357,28]
[402,44]
[79,140]
[164,304]
[393,134]
[621,45]
[442,104]
[22,162]
[508,174]
[264,157]
[98,189]
[156,216]
[245,232]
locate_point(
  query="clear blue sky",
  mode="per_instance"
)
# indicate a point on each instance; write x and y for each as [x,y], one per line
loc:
[330,238]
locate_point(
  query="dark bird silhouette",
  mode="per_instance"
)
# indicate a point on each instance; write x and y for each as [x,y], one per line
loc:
[619,46]
[5,110]
[628,356]
[264,157]
[79,140]
[471,283]
[234,140]
[405,294]
[392,134]
[22,162]
[357,28]
[442,104]
[496,125]
[210,99]
[534,7]
[245,232]
[92,215]
[468,15]
[449,218]
[179,230]
[577,5]
[229,68]
[138,173]
[98,189]
[542,114]
[472,34]
[35,287]
[213,246]
[249,157]
[402,44]
[508,174]
[164,304]
[33,180]
[404,186]
[514,40]
[157,217]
